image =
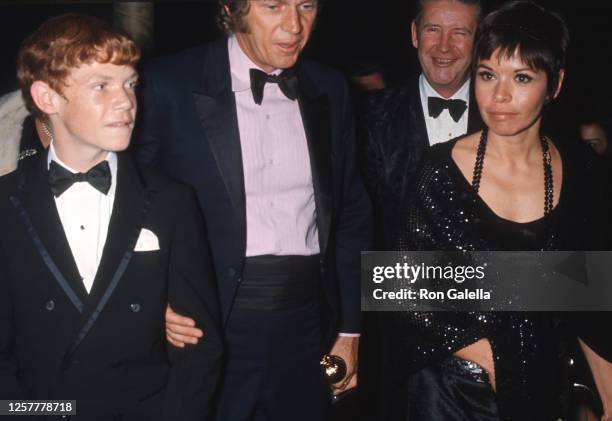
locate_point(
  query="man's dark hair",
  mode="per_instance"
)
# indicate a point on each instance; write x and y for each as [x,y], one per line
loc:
[420,5]
[540,38]
[231,13]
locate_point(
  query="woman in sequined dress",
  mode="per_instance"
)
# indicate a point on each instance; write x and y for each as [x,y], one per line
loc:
[509,187]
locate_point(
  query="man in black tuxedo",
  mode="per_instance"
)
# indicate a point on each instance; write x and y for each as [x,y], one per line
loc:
[400,125]
[436,106]
[92,249]
[268,143]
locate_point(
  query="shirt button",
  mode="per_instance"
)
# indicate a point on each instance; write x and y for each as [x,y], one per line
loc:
[135,308]
[50,305]
[267,116]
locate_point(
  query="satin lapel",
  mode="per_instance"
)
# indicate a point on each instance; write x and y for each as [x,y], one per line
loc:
[220,122]
[316,119]
[47,232]
[130,207]
[419,134]
[216,108]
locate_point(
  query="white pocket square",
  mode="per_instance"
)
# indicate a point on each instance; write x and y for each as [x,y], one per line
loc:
[147,241]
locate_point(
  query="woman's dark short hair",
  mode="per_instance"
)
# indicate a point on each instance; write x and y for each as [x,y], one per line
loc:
[540,38]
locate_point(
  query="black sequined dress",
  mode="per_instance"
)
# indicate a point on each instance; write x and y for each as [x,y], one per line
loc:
[443,212]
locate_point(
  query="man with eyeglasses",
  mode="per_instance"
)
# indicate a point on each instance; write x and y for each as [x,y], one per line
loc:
[267,140]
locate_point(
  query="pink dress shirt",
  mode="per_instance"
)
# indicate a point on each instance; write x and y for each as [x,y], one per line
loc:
[280,203]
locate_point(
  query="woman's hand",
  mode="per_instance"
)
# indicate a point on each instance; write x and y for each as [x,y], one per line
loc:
[602,374]
[480,352]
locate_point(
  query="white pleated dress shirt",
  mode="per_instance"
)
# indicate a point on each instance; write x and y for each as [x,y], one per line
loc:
[85,214]
[444,127]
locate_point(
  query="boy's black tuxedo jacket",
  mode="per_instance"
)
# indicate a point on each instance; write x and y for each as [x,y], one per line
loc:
[107,349]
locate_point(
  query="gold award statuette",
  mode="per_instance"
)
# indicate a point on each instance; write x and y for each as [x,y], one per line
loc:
[334,368]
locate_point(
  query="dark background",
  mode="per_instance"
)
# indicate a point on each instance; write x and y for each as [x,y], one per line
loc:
[348,30]
[352,30]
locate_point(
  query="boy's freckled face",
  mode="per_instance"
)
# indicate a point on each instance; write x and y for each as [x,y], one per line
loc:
[98,107]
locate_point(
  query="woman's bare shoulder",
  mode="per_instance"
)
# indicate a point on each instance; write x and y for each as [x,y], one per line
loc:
[464,150]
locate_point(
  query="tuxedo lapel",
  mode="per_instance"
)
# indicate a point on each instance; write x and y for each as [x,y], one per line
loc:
[420,138]
[125,223]
[216,108]
[36,206]
[130,207]
[315,116]
[219,120]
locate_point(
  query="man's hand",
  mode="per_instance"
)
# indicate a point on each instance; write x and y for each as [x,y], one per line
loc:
[181,330]
[346,348]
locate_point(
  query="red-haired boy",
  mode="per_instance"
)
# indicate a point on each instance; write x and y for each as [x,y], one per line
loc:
[93,249]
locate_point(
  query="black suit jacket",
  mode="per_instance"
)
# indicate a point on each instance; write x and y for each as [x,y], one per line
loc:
[107,349]
[396,141]
[190,131]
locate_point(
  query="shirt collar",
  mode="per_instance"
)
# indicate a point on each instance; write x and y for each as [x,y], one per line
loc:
[111,157]
[427,90]
[240,66]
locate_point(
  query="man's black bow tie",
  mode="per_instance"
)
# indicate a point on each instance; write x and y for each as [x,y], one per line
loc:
[456,107]
[287,82]
[60,179]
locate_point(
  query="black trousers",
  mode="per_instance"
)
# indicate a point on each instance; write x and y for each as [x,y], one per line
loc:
[273,338]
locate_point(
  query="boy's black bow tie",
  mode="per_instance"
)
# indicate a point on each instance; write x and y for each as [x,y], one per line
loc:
[60,179]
